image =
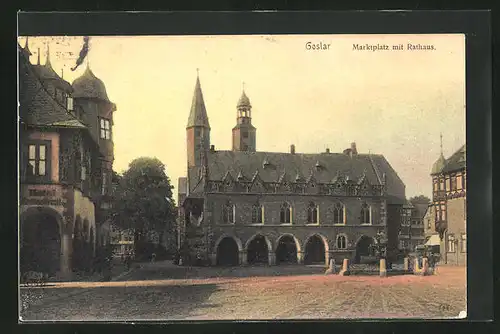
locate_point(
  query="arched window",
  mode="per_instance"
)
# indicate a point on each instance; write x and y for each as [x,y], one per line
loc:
[285,213]
[365,214]
[257,214]
[338,214]
[312,213]
[228,213]
[341,242]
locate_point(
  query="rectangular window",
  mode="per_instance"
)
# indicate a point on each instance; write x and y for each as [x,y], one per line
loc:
[38,155]
[245,134]
[105,129]
[443,211]
[448,183]
[70,103]
[459,182]
[441,184]
[463,247]
[435,185]
[454,182]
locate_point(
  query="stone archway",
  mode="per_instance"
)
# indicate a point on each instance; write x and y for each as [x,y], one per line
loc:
[315,250]
[363,248]
[228,252]
[40,242]
[287,249]
[258,248]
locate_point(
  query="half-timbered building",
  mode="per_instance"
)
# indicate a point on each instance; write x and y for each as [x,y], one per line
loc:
[65,161]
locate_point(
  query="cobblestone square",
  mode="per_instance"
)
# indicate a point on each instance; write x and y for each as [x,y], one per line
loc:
[222,294]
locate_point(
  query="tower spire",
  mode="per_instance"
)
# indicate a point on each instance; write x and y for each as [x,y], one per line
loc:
[198,115]
[441,137]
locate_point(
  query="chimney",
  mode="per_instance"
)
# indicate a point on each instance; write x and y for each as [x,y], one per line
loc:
[353,148]
[292,149]
[327,150]
[212,148]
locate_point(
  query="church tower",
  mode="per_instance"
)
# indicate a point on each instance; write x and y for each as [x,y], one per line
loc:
[197,129]
[244,133]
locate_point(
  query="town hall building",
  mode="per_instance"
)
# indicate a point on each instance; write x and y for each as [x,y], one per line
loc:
[244,206]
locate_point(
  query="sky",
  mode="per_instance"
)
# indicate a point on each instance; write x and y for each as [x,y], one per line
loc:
[390,102]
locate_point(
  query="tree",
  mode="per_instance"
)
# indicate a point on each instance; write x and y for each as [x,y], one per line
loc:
[143,201]
[421,199]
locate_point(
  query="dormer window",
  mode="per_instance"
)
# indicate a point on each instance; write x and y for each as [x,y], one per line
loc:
[266,163]
[105,129]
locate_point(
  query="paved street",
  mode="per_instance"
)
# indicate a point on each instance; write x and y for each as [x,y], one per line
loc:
[162,291]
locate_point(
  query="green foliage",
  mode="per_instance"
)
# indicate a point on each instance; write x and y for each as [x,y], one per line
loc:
[142,199]
[421,199]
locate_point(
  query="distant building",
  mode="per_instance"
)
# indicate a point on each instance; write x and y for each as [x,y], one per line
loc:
[244,206]
[411,233]
[122,240]
[66,156]
[449,207]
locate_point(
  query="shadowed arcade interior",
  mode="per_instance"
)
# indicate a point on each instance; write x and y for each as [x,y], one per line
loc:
[363,249]
[286,252]
[315,251]
[227,252]
[258,251]
[41,244]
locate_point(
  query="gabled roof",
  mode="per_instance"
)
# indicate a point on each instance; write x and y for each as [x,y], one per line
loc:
[419,210]
[286,165]
[36,106]
[456,161]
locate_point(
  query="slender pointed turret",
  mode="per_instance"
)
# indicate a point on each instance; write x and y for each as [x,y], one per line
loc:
[197,129]
[198,115]
[440,162]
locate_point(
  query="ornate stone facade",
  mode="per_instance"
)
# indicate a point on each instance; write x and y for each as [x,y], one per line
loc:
[244,206]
